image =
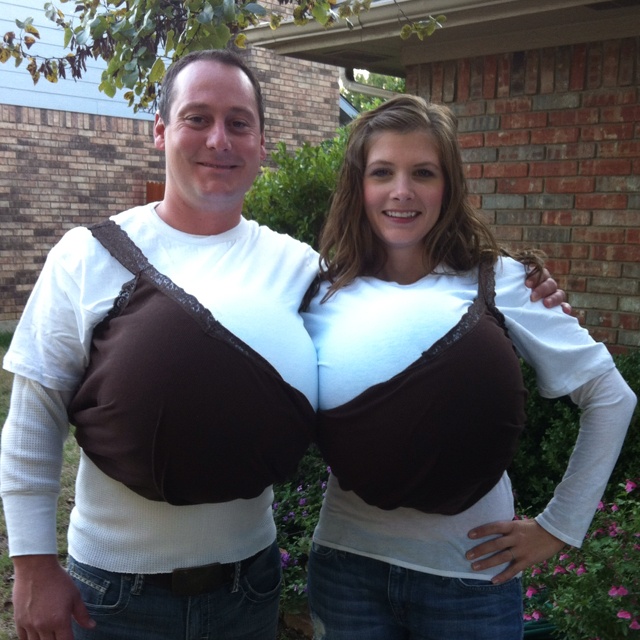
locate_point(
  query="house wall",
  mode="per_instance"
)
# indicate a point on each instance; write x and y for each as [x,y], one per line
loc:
[551,145]
[62,168]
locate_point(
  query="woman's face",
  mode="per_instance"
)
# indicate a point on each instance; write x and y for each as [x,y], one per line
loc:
[403,189]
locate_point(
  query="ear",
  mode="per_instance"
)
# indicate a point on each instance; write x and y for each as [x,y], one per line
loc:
[263,147]
[158,132]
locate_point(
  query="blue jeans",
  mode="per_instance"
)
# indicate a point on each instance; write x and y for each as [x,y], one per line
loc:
[352,597]
[126,608]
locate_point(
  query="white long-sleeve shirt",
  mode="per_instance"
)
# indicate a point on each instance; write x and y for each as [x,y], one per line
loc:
[372,330]
[252,280]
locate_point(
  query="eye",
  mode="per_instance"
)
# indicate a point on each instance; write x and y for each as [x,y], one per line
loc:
[195,120]
[424,173]
[379,172]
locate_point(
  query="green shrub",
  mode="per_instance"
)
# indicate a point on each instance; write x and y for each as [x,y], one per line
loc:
[593,592]
[296,509]
[294,196]
[551,431]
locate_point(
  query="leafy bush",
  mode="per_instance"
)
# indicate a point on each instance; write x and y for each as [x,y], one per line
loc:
[551,431]
[593,593]
[294,196]
[296,509]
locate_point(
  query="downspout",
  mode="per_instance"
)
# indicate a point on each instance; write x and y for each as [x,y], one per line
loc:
[349,83]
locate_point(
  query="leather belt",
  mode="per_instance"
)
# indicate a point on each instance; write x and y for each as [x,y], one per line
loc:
[195,581]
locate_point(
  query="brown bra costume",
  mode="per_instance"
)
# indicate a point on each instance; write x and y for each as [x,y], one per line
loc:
[439,435]
[174,405]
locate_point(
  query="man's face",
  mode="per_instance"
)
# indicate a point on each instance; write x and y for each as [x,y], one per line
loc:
[213,144]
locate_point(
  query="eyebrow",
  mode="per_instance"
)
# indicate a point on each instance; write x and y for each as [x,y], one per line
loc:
[390,163]
[206,106]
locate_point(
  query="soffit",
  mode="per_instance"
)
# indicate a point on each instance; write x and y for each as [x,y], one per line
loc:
[473,28]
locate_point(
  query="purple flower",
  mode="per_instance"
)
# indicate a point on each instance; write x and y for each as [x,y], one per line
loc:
[285,559]
[615,592]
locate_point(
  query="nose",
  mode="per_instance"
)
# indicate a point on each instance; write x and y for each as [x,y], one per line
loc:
[217,137]
[402,188]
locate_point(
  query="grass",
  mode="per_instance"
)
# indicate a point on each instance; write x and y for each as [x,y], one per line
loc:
[65,504]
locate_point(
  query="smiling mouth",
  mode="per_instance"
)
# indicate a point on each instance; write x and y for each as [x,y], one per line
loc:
[401,214]
[211,165]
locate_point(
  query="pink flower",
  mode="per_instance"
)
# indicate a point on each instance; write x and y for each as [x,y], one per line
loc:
[531,591]
[580,570]
[558,570]
[624,614]
[615,592]
[635,624]
[629,487]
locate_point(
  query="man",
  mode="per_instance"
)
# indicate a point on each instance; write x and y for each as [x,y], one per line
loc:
[159,548]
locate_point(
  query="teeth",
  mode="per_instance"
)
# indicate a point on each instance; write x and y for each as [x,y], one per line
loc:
[401,214]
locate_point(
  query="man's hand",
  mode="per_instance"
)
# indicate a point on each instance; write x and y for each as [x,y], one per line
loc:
[545,288]
[521,543]
[45,599]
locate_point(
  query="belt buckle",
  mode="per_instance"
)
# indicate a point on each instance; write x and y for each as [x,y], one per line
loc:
[197,580]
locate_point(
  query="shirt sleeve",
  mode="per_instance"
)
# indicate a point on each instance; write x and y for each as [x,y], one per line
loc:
[30,465]
[607,405]
[562,352]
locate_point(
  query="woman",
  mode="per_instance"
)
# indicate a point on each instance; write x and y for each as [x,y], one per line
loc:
[422,399]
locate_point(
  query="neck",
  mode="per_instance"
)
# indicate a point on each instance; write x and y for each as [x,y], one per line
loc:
[197,222]
[403,269]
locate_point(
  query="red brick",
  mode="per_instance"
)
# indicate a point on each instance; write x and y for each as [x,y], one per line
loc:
[607,132]
[578,67]
[605,168]
[503,77]
[565,218]
[610,66]
[506,138]
[567,168]
[523,120]
[512,105]
[555,135]
[506,170]
[569,185]
[471,140]
[598,236]
[617,253]
[490,77]
[464,80]
[573,117]
[601,201]
[532,68]
[519,185]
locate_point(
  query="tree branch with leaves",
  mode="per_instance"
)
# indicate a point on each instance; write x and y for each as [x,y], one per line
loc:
[138,39]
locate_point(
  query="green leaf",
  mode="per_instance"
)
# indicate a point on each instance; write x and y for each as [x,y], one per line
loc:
[108,88]
[229,11]
[320,13]
[82,35]
[206,15]
[157,71]
[255,8]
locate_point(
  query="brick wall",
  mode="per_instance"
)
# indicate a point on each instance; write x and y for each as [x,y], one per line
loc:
[551,144]
[61,169]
